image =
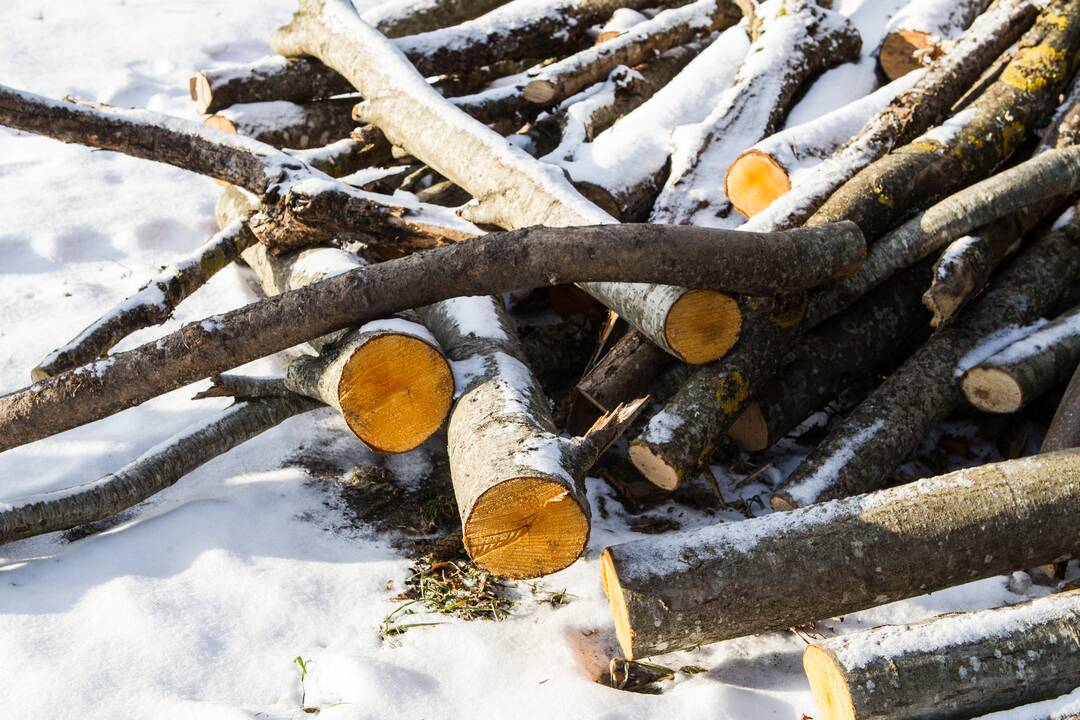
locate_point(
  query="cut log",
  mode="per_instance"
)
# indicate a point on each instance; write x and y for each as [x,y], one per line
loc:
[300,79]
[533,257]
[336,159]
[642,42]
[972,143]
[796,42]
[519,485]
[862,452]
[152,305]
[152,472]
[714,395]
[915,34]
[624,372]
[945,81]
[286,124]
[1065,707]
[765,172]
[878,332]
[1009,380]
[951,666]
[388,378]
[688,588]
[1064,430]
[512,189]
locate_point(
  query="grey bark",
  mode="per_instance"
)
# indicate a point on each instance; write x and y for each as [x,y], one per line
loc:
[289,125]
[1064,430]
[699,586]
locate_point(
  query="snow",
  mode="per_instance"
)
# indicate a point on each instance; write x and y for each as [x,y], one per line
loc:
[661,427]
[811,486]
[474,315]
[956,249]
[1059,708]
[1051,334]
[195,604]
[944,133]
[401,327]
[995,343]
[260,117]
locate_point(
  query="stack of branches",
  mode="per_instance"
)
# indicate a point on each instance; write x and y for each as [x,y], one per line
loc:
[391,175]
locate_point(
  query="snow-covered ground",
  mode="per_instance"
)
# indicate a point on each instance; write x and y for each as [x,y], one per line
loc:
[196,604]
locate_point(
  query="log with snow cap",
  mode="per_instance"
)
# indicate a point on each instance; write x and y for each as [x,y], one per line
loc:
[795,42]
[688,588]
[1063,707]
[286,124]
[519,485]
[1009,380]
[951,666]
[916,33]
[388,378]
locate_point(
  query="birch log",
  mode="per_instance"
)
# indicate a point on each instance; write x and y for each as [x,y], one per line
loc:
[684,589]
[286,124]
[640,43]
[388,378]
[796,41]
[519,485]
[861,453]
[921,107]
[951,666]
[1009,380]
[765,172]
[512,189]
[915,34]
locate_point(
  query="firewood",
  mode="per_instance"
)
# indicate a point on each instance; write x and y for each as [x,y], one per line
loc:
[699,586]
[796,41]
[764,172]
[1064,430]
[286,124]
[1009,380]
[862,452]
[388,377]
[913,112]
[300,79]
[336,159]
[624,372]
[967,264]
[715,394]
[951,666]
[879,331]
[519,485]
[151,305]
[512,188]
[621,20]
[152,472]
[496,263]
[629,182]
[915,34]
[669,28]
[970,144]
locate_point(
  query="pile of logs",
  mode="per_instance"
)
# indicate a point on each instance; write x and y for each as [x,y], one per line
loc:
[390,175]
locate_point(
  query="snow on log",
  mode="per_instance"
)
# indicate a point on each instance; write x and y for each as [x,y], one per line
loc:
[1009,380]
[337,159]
[714,395]
[153,471]
[915,34]
[861,453]
[286,124]
[388,378]
[945,81]
[1064,707]
[796,42]
[950,666]
[640,43]
[767,170]
[621,20]
[878,332]
[973,142]
[679,590]
[152,304]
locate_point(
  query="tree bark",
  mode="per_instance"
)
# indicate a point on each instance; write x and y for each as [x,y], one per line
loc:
[921,107]
[533,257]
[151,305]
[152,472]
[796,42]
[388,378]
[972,143]
[767,170]
[1064,430]
[1011,379]
[685,589]
[861,453]
[519,485]
[850,349]
[951,666]
[915,33]
[624,372]
[286,124]
[642,42]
